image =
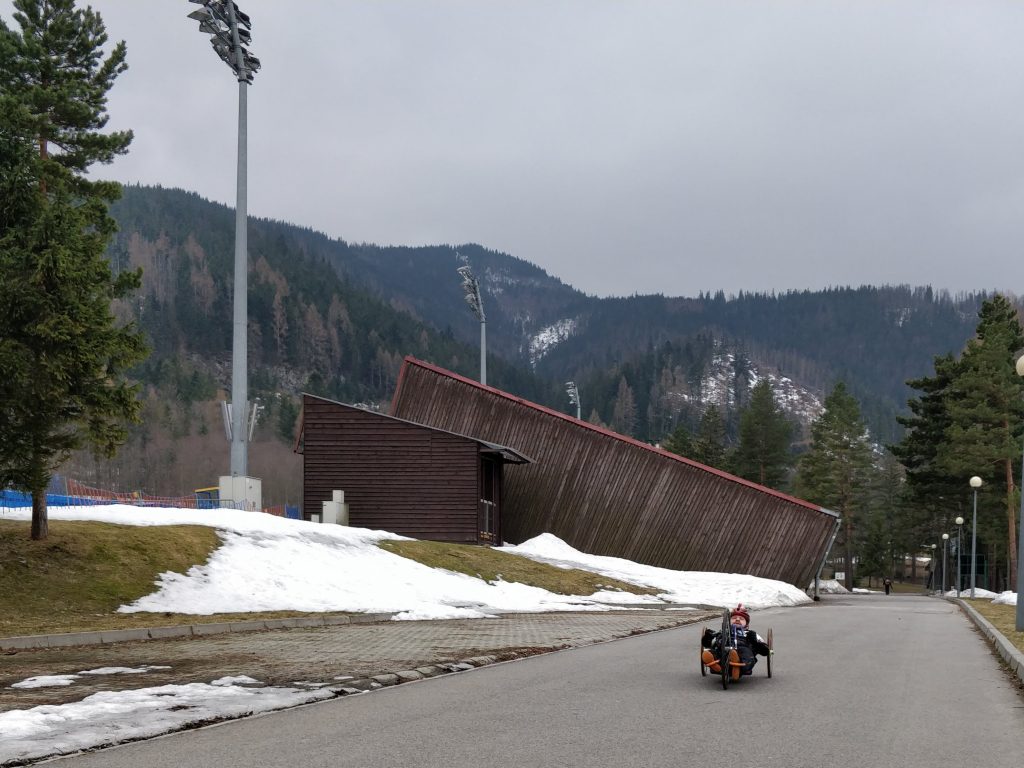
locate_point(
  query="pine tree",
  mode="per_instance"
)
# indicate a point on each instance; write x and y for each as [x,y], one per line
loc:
[287,415]
[680,442]
[624,414]
[762,453]
[986,410]
[889,533]
[61,351]
[835,471]
[709,444]
[921,452]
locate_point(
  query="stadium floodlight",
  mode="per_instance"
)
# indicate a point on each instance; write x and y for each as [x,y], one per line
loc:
[471,287]
[229,31]
[574,396]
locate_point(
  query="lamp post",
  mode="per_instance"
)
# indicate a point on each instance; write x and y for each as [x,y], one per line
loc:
[229,31]
[959,542]
[472,288]
[945,541]
[574,396]
[1020,540]
[975,484]
[933,565]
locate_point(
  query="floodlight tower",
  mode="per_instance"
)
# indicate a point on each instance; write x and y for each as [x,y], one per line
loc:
[229,31]
[471,287]
[574,396]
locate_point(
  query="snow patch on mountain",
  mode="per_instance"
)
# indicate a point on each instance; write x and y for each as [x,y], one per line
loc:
[718,388]
[546,338]
[791,397]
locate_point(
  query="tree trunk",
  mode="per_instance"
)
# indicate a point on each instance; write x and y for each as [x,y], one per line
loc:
[40,524]
[1011,540]
[848,553]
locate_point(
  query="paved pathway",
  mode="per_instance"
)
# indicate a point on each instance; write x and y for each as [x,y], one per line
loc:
[861,680]
[322,654]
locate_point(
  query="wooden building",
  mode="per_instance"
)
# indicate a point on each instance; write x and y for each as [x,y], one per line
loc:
[607,494]
[414,480]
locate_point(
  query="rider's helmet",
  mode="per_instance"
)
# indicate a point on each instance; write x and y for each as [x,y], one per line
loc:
[740,611]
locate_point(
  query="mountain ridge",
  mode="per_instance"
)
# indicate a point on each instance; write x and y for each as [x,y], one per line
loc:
[346,314]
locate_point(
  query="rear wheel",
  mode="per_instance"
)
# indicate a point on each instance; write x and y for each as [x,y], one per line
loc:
[771,652]
[703,667]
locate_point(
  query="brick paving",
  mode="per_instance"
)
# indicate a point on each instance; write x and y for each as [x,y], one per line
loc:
[321,654]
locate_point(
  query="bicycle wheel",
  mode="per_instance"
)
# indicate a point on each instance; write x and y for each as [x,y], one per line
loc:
[771,652]
[724,645]
[703,667]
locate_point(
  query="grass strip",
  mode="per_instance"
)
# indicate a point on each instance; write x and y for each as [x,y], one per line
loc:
[75,580]
[1002,617]
[491,564]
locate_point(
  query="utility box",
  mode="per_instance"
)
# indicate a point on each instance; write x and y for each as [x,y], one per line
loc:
[241,492]
[335,510]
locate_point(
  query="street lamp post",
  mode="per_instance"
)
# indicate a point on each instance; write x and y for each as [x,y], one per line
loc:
[229,31]
[975,484]
[472,288]
[945,542]
[959,558]
[574,396]
[1020,539]
[933,565]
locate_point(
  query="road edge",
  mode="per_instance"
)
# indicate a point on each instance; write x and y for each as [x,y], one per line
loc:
[1007,651]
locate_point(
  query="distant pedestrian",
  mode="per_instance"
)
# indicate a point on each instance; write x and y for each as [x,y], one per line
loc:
[888,585]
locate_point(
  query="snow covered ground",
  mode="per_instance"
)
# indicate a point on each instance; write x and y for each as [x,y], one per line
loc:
[268,563]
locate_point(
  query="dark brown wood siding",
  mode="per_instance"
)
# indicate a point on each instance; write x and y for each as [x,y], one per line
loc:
[609,495]
[398,477]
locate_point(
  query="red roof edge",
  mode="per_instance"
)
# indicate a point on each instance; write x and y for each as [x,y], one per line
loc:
[410,360]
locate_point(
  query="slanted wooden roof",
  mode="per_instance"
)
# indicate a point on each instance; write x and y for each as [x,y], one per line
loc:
[506,454]
[609,494]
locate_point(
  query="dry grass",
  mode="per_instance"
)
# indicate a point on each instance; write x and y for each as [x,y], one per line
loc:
[1002,617]
[76,579]
[490,564]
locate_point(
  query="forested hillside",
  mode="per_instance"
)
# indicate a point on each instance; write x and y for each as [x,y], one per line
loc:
[336,319]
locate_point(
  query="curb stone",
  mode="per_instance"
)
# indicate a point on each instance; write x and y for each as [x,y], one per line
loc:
[1010,654]
[423,673]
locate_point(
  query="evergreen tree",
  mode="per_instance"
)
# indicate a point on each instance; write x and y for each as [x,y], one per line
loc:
[624,414]
[62,353]
[928,479]
[287,415]
[888,535]
[680,442]
[986,409]
[762,453]
[835,471]
[709,444]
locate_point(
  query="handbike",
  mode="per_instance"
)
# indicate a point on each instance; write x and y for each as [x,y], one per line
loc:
[726,644]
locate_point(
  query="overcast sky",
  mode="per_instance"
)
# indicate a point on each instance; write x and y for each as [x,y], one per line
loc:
[624,147]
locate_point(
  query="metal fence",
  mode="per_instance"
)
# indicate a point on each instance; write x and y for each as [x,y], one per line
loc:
[76,494]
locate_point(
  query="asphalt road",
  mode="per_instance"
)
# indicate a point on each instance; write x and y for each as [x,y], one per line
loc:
[863,680]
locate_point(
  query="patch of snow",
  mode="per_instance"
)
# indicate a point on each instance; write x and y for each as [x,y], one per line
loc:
[545,339]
